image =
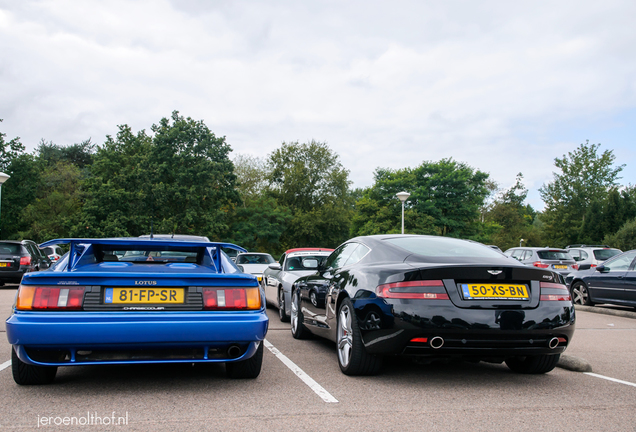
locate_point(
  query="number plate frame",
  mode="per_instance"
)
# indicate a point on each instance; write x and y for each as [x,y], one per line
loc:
[145,295]
[490,291]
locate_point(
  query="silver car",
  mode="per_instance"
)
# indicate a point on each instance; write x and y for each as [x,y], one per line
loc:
[279,277]
[558,260]
[590,256]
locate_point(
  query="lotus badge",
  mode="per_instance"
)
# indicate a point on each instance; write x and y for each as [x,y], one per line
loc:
[495,272]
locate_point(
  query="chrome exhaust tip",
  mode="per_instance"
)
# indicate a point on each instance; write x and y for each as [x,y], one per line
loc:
[437,342]
[554,342]
[234,351]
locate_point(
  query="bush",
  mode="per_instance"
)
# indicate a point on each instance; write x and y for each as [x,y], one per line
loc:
[624,238]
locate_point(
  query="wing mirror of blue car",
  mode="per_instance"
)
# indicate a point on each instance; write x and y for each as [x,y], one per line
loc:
[601,269]
[274,266]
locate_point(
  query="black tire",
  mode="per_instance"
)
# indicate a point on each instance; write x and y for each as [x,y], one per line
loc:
[26,374]
[353,358]
[298,329]
[536,364]
[249,368]
[282,314]
[581,294]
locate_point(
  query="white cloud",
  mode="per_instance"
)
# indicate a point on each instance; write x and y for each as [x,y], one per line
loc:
[505,87]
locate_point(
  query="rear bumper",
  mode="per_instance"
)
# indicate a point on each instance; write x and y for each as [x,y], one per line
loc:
[466,332]
[146,337]
[12,275]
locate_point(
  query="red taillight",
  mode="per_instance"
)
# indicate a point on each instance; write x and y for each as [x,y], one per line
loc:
[540,264]
[419,340]
[559,296]
[575,266]
[50,298]
[592,265]
[423,289]
[26,260]
[231,298]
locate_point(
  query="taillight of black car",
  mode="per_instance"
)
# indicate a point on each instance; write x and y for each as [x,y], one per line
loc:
[49,298]
[554,292]
[421,289]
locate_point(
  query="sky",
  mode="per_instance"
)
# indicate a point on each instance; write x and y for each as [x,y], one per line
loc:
[505,87]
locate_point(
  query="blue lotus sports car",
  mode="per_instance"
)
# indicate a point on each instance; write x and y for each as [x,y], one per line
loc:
[137,300]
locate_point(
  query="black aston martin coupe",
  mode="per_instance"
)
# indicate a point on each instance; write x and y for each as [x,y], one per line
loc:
[436,297]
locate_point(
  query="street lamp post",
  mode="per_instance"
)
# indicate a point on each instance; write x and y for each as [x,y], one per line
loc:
[403,196]
[3,178]
[521,241]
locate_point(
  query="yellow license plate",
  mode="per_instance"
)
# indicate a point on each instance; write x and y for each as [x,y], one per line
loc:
[4,264]
[557,266]
[494,291]
[144,295]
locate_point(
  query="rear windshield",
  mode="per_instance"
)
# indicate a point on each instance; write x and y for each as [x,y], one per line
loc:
[444,247]
[10,248]
[304,262]
[604,254]
[554,255]
[150,256]
[254,259]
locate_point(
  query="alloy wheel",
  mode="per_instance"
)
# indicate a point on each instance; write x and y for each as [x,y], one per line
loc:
[345,336]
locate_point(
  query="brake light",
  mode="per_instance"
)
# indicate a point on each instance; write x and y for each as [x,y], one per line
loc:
[575,266]
[564,295]
[231,298]
[423,289]
[540,264]
[592,265]
[49,298]
[25,260]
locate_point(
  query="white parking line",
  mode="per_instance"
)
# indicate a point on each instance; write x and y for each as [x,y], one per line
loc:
[610,379]
[317,388]
[5,365]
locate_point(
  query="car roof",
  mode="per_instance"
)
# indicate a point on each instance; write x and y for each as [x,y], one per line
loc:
[253,253]
[309,249]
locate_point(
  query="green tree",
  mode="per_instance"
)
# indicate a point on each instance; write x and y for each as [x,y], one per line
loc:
[20,190]
[180,180]
[446,197]
[57,203]
[585,176]
[310,181]
[514,217]
[624,238]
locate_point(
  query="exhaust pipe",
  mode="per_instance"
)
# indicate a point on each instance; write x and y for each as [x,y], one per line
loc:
[436,342]
[234,351]
[554,342]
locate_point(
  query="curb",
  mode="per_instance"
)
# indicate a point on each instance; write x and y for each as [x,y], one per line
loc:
[575,364]
[606,311]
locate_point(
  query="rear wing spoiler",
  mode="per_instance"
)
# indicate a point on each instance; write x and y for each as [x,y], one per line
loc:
[81,249]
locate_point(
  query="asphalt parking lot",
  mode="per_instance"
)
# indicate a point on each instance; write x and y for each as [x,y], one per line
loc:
[302,388]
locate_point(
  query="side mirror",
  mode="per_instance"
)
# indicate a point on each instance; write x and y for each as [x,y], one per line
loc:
[274,266]
[241,268]
[601,269]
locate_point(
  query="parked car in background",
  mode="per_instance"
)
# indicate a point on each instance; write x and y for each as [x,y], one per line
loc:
[279,277]
[53,252]
[558,260]
[612,282]
[587,256]
[20,257]
[93,308]
[254,263]
[434,298]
